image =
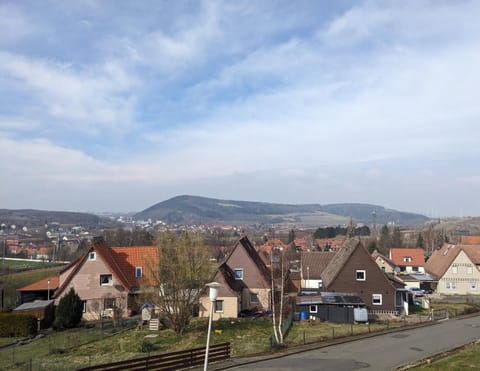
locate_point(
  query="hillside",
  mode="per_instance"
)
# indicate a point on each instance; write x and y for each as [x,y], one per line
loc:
[202,210]
[37,218]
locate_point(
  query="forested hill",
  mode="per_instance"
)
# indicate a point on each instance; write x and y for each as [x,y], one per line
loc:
[30,218]
[202,210]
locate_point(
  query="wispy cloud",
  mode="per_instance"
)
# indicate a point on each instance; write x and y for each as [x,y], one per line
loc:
[296,101]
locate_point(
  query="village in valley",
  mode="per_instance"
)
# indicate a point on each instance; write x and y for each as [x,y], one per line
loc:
[353,273]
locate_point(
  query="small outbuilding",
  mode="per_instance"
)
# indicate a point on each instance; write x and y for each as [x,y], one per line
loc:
[43,310]
[331,307]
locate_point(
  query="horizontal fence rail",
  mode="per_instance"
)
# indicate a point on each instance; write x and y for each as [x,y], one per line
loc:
[169,361]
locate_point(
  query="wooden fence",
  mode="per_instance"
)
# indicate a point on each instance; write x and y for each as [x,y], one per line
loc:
[169,361]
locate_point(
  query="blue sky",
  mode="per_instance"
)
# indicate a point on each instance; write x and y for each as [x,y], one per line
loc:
[117,105]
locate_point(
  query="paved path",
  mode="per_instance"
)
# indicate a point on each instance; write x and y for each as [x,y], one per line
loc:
[383,352]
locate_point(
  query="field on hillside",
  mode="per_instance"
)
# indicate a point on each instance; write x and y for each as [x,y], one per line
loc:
[13,281]
[11,266]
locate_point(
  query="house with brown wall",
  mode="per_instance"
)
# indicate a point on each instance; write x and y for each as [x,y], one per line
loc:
[353,270]
[245,283]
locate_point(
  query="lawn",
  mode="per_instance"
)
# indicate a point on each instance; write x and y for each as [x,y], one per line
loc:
[466,359]
[12,266]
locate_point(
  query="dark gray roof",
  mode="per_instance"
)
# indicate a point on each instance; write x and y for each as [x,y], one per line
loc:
[37,304]
[336,298]
[314,263]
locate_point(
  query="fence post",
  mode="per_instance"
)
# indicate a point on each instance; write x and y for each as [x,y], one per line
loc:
[369,327]
[304,342]
[271,342]
[333,332]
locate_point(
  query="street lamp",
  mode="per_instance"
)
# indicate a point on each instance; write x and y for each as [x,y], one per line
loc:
[213,293]
[48,291]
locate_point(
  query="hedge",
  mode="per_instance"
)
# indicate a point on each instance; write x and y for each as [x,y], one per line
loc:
[17,324]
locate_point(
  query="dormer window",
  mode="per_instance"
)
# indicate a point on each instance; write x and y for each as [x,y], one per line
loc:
[238,272]
[138,272]
[92,256]
[407,259]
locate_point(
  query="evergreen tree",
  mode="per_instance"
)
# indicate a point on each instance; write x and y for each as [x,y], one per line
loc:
[69,311]
[397,238]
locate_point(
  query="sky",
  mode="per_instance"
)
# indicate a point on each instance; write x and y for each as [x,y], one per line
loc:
[117,105]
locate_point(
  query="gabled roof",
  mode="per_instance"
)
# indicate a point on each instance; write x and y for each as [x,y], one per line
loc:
[470,240]
[376,255]
[441,259]
[314,263]
[245,243]
[118,260]
[340,258]
[417,256]
[42,285]
[128,258]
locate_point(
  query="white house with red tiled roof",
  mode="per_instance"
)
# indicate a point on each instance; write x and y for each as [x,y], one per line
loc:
[408,260]
[457,269]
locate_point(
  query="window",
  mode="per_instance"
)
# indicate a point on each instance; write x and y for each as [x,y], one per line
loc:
[469,270]
[92,256]
[360,275]
[415,269]
[313,309]
[450,285]
[238,273]
[473,285]
[454,270]
[407,259]
[106,280]
[253,298]
[377,299]
[320,284]
[218,306]
[109,303]
[138,272]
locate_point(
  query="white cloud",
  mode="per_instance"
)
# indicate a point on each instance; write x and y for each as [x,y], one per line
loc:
[88,99]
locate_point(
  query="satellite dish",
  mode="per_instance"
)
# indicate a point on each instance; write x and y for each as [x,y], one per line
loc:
[24,229]
[397,269]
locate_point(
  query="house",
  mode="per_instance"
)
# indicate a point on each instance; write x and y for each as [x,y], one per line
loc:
[409,260]
[457,269]
[245,283]
[108,280]
[385,263]
[353,270]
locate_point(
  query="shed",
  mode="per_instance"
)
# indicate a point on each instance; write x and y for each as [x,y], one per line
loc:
[43,310]
[331,306]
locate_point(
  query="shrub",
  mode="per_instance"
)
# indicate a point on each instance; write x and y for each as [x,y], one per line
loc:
[17,324]
[69,311]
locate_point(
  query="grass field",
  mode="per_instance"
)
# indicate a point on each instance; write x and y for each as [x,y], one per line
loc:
[466,359]
[11,266]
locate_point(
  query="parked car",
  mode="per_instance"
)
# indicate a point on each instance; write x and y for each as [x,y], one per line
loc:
[416,292]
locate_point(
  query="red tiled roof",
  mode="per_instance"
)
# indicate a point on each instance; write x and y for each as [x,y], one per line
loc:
[442,259]
[42,285]
[470,240]
[417,256]
[128,258]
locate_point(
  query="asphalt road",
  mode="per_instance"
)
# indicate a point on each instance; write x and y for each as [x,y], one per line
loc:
[383,352]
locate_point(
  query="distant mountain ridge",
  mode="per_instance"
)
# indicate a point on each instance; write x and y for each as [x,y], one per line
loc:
[202,210]
[28,217]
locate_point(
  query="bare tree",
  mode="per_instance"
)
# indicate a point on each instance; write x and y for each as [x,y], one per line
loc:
[182,272]
[279,276]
